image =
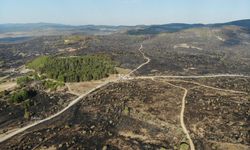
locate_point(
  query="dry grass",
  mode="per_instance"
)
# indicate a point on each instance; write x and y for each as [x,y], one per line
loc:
[122,70]
[79,88]
[185,45]
[7,86]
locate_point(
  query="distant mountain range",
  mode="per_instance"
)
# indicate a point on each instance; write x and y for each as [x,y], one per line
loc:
[174,27]
[41,29]
[242,23]
[46,26]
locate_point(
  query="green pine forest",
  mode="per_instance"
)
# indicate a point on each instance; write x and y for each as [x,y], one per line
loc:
[74,69]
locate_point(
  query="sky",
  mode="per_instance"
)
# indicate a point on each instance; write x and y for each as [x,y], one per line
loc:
[123,12]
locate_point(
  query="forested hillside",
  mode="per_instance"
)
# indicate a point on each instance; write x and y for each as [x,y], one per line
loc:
[74,69]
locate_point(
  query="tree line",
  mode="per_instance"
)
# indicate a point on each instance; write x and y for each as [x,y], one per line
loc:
[74,69]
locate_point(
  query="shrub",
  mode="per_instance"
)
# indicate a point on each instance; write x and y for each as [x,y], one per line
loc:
[53,85]
[22,81]
[26,105]
[22,95]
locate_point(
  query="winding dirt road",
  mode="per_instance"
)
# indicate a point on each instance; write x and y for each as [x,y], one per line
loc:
[20,130]
[7,136]
[143,64]
[191,144]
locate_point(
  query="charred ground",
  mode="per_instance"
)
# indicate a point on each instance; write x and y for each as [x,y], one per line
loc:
[142,113]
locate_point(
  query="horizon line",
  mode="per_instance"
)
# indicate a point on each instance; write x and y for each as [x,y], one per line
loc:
[66,24]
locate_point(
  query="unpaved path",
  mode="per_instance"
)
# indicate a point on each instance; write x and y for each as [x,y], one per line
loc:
[194,76]
[191,144]
[143,64]
[211,87]
[20,130]
[192,147]
[5,137]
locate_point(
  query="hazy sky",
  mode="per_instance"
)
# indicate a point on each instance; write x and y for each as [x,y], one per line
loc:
[123,12]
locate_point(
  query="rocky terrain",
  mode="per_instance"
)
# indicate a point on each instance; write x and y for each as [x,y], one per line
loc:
[118,117]
[199,51]
[114,117]
[216,117]
[198,73]
[42,106]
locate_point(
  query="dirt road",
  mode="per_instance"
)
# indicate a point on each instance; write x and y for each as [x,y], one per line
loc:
[20,130]
[143,64]
[191,144]
[209,87]
[193,76]
[7,136]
